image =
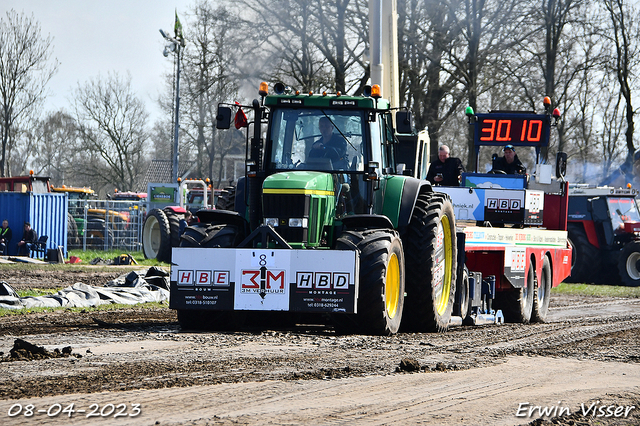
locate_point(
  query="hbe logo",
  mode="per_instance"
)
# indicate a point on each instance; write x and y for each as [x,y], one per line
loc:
[204,278]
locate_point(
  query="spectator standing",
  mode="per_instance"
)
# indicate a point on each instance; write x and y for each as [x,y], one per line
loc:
[446,170]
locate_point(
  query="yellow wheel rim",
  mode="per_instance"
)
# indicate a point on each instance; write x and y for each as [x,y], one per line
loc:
[444,255]
[392,286]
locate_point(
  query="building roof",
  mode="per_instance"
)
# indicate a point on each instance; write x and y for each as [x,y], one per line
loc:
[159,171]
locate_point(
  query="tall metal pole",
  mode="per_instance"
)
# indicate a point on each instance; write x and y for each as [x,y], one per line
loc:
[176,154]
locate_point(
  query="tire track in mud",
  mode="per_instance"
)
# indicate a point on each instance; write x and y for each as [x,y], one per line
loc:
[480,396]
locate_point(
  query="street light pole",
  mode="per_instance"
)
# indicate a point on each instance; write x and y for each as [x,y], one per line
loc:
[176,153]
[175,45]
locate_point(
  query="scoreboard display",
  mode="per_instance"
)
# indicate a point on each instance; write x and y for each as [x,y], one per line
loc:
[512,128]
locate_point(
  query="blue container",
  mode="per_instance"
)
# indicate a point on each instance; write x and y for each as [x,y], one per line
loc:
[47,214]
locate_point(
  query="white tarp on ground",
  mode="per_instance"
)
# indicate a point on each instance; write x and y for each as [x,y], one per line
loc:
[129,289]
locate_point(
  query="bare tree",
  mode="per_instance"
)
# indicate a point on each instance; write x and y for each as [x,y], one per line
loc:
[112,123]
[309,38]
[209,78]
[623,36]
[57,143]
[426,38]
[25,71]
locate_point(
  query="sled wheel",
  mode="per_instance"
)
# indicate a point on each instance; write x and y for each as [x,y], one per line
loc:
[462,307]
[542,293]
[381,299]
[629,264]
[431,257]
[517,304]
[156,236]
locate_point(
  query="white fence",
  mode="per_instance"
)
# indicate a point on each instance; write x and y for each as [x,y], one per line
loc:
[105,225]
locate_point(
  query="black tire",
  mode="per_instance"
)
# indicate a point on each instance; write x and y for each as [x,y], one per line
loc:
[586,265]
[542,294]
[174,225]
[462,307]
[431,263]
[517,303]
[96,233]
[211,236]
[156,236]
[381,291]
[206,235]
[72,232]
[629,264]
[227,199]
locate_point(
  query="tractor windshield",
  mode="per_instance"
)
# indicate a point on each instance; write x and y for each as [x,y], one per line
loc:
[315,139]
[623,209]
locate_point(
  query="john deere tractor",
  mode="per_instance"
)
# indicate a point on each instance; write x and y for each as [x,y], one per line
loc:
[323,225]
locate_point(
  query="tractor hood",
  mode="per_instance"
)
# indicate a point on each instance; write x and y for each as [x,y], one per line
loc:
[300,205]
[307,183]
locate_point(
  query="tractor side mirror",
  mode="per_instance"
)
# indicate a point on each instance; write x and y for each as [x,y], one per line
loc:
[223,118]
[404,122]
[561,164]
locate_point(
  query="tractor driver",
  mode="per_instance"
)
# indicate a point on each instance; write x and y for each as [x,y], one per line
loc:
[330,145]
[510,163]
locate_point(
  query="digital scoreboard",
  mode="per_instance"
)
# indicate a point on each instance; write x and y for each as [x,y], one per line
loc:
[512,128]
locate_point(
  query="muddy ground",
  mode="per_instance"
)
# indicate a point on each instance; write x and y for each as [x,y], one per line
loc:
[588,351]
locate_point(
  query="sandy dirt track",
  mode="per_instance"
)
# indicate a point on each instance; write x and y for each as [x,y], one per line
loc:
[588,351]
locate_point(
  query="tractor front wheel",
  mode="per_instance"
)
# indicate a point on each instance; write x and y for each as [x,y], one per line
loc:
[156,236]
[381,299]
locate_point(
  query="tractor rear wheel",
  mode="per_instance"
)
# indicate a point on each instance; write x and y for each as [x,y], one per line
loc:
[227,199]
[99,236]
[629,264]
[542,293]
[174,225]
[72,232]
[156,236]
[206,235]
[517,304]
[381,299]
[431,258]
[585,267]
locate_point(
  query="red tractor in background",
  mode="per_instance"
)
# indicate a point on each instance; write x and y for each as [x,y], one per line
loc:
[604,229]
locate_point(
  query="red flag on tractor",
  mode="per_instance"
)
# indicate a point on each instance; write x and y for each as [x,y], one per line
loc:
[241,118]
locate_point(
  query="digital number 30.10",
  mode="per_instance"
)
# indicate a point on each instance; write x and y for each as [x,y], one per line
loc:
[500,130]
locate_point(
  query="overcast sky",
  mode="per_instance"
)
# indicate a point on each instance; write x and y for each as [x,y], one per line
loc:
[92,38]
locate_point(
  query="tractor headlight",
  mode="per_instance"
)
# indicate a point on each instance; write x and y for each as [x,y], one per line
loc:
[273,221]
[297,222]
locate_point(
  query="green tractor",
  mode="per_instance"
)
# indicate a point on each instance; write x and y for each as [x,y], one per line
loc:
[326,224]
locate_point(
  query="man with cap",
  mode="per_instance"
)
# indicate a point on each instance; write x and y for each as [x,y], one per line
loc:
[510,163]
